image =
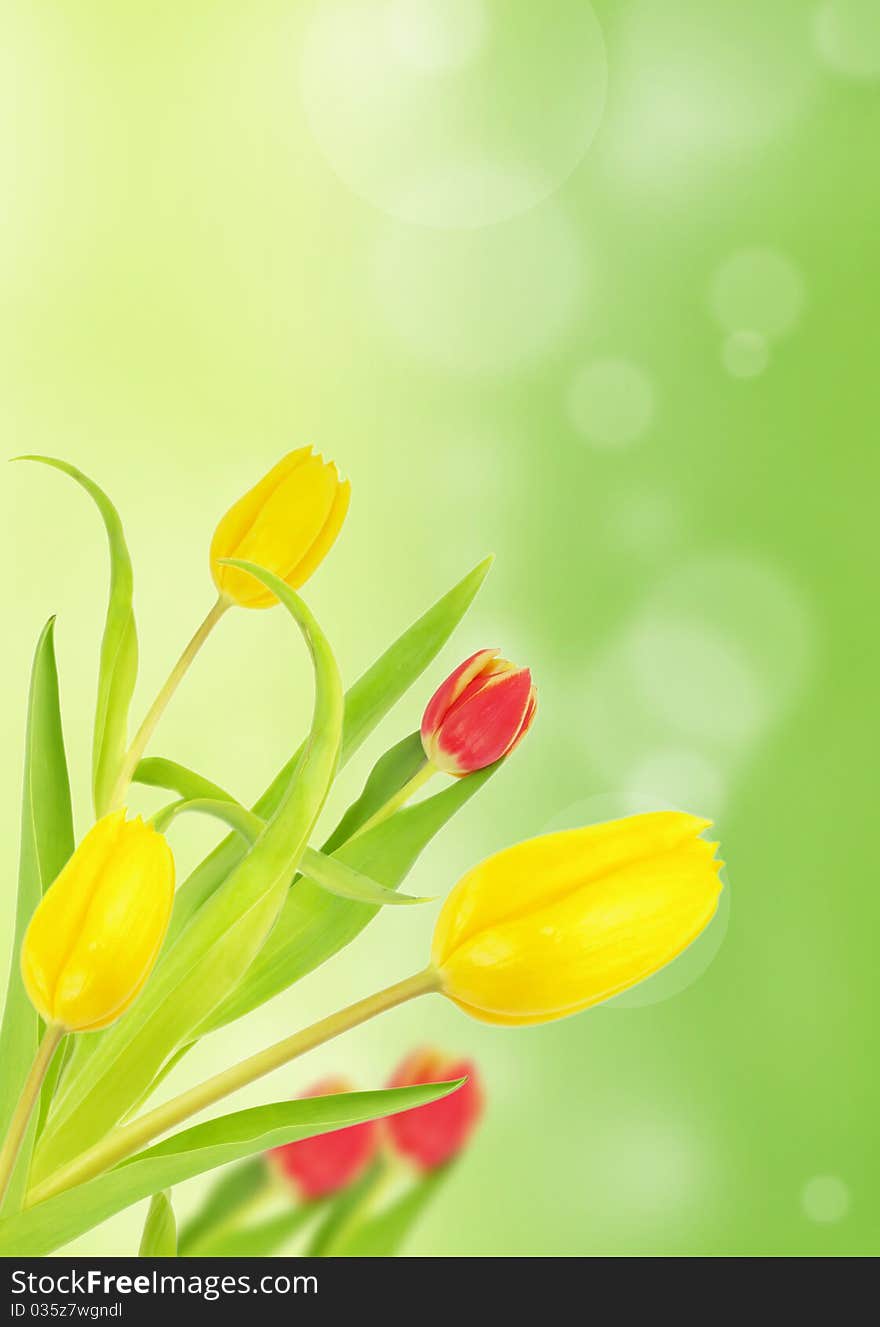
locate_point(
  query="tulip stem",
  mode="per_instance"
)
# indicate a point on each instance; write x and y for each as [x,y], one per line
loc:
[160,704]
[122,1142]
[409,789]
[30,1095]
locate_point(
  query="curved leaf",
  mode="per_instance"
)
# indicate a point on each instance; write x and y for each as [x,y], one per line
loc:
[391,772]
[216,949]
[327,872]
[366,704]
[313,925]
[159,1239]
[46,844]
[119,648]
[51,1224]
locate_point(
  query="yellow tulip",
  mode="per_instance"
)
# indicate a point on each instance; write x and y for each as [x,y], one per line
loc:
[93,940]
[562,922]
[287,522]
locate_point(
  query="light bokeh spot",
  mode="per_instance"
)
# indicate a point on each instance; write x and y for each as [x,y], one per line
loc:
[480,302]
[758,289]
[434,35]
[611,402]
[690,98]
[722,646]
[745,354]
[847,37]
[678,777]
[825,1199]
[429,110]
[654,1168]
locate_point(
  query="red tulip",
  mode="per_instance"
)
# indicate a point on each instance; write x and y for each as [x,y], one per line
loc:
[433,1134]
[478,714]
[325,1164]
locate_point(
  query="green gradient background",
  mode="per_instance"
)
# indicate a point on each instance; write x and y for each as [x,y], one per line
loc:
[189,289]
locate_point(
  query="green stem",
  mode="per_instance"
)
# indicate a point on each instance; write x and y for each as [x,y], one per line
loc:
[30,1095]
[122,1142]
[160,704]
[418,780]
[233,1219]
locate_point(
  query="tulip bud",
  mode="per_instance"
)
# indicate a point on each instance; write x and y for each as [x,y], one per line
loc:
[565,921]
[287,522]
[433,1134]
[93,940]
[328,1162]
[478,714]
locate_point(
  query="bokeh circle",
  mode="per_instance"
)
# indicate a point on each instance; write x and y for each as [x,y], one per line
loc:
[611,402]
[847,37]
[758,289]
[825,1199]
[480,302]
[745,354]
[429,110]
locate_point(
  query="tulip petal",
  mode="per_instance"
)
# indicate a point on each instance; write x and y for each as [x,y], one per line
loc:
[477,729]
[450,690]
[542,870]
[281,533]
[242,515]
[580,947]
[325,540]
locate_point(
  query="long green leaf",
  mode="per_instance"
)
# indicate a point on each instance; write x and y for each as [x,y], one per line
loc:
[236,1191]
[46,844]
[327,872]
[391,772]
[384,1234]
[347,1210]
[366,704]
[260,1239]
[313,925]
[219,945]
[119,648]
[52,1224]
[159,1239]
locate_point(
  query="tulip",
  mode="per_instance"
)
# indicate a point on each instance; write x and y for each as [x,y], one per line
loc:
[287,522]
[478,714]
[327,1163]
[93,940]
[539,931]
[562,922]
[433,1134]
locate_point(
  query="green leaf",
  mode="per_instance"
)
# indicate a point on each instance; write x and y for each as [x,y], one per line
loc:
[157,772]
[325,871]
[366,704]
[52,1224]
[216,949]
[46,844]
[119,649]
[234,1193]
[347,1210]
[313,925]
[261,1239]
[159,1239]
[391,772]
[384,1234]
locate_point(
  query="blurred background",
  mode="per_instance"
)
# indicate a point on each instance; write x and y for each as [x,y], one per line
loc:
[595,289]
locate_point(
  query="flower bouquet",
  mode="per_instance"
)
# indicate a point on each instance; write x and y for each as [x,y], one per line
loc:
[117,974]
